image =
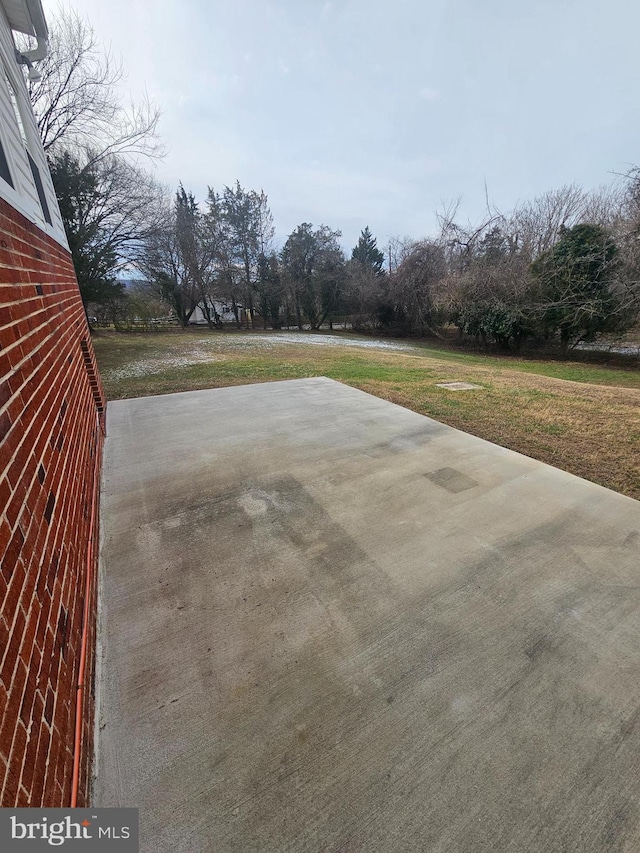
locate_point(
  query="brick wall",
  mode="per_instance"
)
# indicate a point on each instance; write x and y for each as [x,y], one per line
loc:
[51,411]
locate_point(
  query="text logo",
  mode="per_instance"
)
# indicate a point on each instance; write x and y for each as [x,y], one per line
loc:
[72,829]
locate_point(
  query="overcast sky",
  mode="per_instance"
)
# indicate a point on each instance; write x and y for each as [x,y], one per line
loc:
[354,113]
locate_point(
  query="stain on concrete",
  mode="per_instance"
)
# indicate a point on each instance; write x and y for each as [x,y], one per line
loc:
[405,442]
[451,479]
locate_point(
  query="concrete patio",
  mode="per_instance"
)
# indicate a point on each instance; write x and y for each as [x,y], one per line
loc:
[331,624]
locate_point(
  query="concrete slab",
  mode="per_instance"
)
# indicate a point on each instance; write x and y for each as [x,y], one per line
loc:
[459,386]
[331,624]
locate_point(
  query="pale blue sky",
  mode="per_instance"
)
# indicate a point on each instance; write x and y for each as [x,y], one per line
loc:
[351,113]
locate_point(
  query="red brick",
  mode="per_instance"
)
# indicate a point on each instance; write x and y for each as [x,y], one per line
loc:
[26,708]
[19,743]
[31,753]
[5,744]
[5,491]
[49,796]
[10,787]
[42,333]
[11,653]
[24,800]
[4,641]
[40,770]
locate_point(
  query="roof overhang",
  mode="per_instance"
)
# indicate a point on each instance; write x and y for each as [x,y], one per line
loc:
[26,16]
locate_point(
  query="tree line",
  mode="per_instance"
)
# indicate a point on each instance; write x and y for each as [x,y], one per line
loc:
[222,254]
[563,266]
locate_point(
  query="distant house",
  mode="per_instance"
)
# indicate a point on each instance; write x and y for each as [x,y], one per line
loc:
[224,311]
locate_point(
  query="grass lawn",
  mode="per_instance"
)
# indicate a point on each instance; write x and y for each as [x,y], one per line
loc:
[579,417]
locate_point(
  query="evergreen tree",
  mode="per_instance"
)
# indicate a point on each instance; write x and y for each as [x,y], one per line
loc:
[108,209]
[364,279]
[366,251]
[574,285]
[313,266]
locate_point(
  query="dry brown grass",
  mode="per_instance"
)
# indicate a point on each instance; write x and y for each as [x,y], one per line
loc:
[592,431]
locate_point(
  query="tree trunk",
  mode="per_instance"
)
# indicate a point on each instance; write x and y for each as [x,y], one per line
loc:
[251,313]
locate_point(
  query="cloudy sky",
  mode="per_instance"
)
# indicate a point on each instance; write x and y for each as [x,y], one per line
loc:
[356,112]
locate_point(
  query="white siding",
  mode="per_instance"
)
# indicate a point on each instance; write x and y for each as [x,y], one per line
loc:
[23,196]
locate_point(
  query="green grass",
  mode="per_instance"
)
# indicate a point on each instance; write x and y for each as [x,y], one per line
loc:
[584,418]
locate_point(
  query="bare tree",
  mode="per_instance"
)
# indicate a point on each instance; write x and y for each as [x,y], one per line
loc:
[485,289]
[489,299]
[94,143]
[250,228]
[198,247]
[538,223]
[166,263]
[397,250]
[109,206]
[461,243]
[362,295]
[605,206]
[411,288]
[223,284]
[77,100]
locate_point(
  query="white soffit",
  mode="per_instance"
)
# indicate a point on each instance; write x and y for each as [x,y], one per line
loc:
[18,16]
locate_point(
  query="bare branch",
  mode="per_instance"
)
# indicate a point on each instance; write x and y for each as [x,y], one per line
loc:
[78,101]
